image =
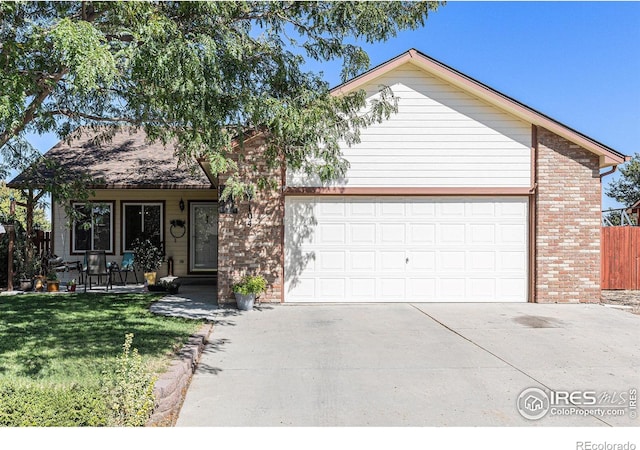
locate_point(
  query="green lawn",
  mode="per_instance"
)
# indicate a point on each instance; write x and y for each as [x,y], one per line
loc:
[71,338]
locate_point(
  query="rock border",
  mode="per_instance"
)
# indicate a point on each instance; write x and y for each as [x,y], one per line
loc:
[171,387]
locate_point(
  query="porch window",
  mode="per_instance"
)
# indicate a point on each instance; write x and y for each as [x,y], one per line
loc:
[93,229]
[141,220]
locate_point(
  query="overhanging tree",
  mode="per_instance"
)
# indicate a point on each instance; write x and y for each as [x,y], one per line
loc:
[196,74]
[626,189]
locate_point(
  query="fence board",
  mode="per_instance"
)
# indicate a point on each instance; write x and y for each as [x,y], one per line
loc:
[620,257]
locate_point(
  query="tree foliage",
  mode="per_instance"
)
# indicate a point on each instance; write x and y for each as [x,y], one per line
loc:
[195,73]
[6,194]
[626,189]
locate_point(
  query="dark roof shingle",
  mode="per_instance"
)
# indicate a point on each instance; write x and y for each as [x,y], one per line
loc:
[127,161]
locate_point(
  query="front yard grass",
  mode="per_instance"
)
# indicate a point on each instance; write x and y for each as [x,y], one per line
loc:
[69,340]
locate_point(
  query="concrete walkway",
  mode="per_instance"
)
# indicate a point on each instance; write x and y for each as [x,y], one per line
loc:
[409,364]
[191,302]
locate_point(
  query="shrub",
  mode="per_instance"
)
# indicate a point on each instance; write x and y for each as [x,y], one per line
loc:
[148,255]
[128,389]
[250,285]
[46,405]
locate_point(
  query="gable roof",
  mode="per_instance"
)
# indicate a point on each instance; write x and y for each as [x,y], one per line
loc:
[126,161]
[608,156]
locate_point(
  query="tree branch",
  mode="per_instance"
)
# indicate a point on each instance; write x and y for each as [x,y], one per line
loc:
[76,114]
[30,112]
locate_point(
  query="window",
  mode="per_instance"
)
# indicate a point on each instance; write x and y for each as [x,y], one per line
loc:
[93,229]
[141,220]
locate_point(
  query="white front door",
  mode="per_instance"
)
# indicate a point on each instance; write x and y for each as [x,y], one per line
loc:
[203,241]
[398,249]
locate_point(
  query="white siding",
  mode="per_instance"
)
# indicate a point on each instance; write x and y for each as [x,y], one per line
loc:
[441,137]
[176,248]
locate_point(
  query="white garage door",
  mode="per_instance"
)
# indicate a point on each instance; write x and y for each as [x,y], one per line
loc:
[419,249]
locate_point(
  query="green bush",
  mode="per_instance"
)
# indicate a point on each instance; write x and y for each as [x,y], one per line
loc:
[46,405]
[250,285]
[129,389]
[125,398]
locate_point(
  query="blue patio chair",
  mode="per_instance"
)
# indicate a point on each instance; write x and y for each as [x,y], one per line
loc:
[127,265]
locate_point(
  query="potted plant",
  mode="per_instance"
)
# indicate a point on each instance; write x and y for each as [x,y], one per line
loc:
[71,286]
[149,257]
[53,284]
[248,289]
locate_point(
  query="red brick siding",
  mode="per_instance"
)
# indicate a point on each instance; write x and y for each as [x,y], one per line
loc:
[256,248]
[568,222]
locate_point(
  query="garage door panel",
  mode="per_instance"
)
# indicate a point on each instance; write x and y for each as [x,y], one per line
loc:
[422,233]
[451,209]
[392,208]
[452,233]
[332,233]
[406,249]
[333,209]
[512,234]
[331,261]
[422,208]
[451,260]
[302,288]
[421,289]
[392,261]
[513,261]
[392,234]
[332,288]
[360,261]
[421,261]
[482,233]
[514,208]
[453,288]
[390,288]
[362,209]
[482,261]
[362,233]
[484,289]
[483,210]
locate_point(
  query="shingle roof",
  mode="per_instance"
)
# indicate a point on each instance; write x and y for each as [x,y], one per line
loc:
[128,161]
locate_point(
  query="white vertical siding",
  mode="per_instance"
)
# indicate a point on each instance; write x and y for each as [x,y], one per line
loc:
[441,137]
[176,248]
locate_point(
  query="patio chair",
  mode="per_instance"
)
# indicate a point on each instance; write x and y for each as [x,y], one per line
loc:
[96,266]
[126,266]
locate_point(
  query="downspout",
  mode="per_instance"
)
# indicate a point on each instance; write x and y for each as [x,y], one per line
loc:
[609,172]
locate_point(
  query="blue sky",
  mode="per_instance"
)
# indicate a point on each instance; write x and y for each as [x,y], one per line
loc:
[578,62]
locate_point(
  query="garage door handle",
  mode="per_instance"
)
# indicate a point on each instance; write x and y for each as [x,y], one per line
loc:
[406,260]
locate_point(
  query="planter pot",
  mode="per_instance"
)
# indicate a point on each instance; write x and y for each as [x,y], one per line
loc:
[40,283]
[245,302]
[156,288]
[173,288]
[71,288]
[26,285]
[150,277]
[53,286]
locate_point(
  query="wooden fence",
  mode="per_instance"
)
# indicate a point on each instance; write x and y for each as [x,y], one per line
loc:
[620,258]
[43,242]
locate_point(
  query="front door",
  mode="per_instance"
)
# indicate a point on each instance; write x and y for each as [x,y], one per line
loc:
[203,237]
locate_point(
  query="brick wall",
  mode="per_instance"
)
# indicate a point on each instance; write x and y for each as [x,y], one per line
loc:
[568,222]
[254,248]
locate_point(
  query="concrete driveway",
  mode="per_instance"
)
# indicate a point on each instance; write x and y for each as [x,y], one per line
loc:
[414,365]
